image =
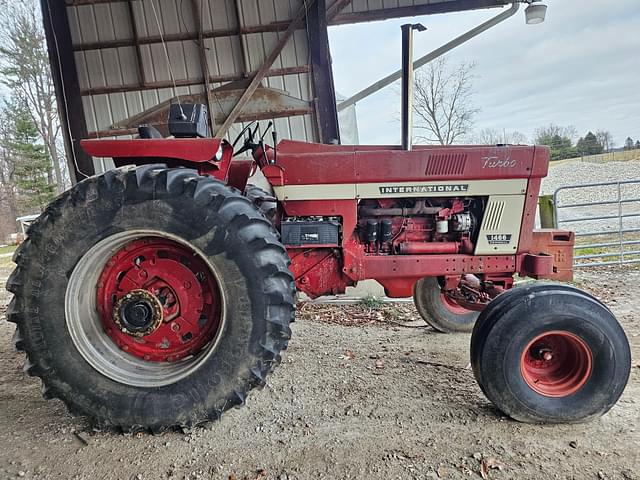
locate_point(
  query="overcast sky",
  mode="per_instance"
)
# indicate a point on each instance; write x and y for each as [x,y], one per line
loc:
[580,67]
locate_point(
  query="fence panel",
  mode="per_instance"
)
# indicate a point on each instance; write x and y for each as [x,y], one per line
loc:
[606,219]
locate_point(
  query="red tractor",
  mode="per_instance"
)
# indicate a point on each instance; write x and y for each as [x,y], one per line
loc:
[159,294]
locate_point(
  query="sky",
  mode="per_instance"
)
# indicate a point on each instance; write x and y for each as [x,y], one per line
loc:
[580,67]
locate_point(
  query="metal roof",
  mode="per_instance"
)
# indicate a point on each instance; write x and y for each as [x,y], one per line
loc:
[118,68]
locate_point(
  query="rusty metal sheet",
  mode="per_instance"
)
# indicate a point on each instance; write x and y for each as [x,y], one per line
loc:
[266,103]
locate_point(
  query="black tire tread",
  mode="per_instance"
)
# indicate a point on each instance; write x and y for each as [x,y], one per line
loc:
[517,305]
[138,184]
[428,302]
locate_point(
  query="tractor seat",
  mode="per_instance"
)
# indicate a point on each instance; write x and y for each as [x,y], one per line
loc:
[147,131]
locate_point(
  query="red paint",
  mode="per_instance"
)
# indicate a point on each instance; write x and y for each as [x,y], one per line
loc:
[304,163]
[428,248]
[184,286]
[556,363]
[191,149]
[197,153]
[317,271]
[416,249]
[453,306]
[398,287]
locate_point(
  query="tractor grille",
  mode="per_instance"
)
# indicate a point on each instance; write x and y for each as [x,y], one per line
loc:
[446,164]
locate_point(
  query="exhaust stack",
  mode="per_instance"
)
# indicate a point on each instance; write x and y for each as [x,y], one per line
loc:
[407,82]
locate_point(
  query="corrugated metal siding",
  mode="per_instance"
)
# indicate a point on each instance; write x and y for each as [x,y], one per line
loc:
[118,67]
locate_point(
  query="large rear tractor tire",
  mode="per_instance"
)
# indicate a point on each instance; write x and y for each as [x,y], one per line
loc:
[439,310]
[151,298]
[550,353]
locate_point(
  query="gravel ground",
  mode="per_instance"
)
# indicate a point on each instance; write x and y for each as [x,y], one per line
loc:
[356,397]
[580,173]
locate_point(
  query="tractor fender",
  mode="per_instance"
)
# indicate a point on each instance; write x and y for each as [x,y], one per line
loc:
[209,156]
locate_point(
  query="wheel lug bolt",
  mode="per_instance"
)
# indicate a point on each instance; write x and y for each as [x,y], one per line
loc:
[187,285]
[547,356]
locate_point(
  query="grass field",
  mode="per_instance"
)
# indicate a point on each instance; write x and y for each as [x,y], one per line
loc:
[623,156]
[7,249]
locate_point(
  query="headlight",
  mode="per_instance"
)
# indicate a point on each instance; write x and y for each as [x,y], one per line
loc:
[218,156]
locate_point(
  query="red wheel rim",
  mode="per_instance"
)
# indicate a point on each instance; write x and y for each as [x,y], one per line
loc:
[158,300]
[453,306]
[556,363]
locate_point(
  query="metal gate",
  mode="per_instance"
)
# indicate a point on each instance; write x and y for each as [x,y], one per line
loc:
[606,219]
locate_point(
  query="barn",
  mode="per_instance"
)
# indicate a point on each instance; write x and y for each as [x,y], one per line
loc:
[120,63]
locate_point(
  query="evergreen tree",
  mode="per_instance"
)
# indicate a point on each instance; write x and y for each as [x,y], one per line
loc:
[637,144]
[589,145]
[628,144]
[31,163]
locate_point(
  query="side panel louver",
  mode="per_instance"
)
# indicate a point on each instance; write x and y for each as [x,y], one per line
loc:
[500,229]
[493,216]
[446,164]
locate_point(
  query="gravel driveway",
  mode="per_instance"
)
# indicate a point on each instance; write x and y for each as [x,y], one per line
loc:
[356,397]
[580,173]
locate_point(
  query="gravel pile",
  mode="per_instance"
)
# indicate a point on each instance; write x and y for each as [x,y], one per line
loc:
[579,173]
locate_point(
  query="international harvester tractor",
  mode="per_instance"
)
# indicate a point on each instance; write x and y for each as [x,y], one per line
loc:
[160,293]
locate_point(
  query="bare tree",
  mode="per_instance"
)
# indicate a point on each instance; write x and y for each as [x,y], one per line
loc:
[605,139]
[543,134]
[443,102]
[491,136]
[25,69]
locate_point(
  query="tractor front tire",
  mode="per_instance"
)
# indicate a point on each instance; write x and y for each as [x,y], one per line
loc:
[264,201]
[439,310]
[550,353]
[151,298]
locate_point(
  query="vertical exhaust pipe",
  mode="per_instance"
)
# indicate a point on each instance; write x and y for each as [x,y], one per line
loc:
[407,82]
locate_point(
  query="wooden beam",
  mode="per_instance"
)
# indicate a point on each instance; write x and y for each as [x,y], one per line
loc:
[204,64]
[325,95]
[264,69]
[188,82]
[336,7]
[134,31]
[243,46]
[67,86]
[182,36]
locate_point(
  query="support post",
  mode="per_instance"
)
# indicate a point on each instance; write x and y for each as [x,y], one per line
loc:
[136,36]
[547,212]
[65,79]
[325,95]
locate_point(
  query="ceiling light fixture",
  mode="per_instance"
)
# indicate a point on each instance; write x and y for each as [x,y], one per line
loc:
[535,13]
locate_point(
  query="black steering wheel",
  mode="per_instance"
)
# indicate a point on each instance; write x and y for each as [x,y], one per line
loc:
[242,133]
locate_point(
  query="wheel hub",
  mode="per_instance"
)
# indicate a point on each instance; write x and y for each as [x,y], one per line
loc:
[138,313]
[158,300]
[556,364]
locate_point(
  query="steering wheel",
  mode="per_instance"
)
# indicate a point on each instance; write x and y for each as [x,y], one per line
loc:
[243,131]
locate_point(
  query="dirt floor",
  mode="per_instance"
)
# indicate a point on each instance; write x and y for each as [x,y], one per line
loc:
[356,397]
